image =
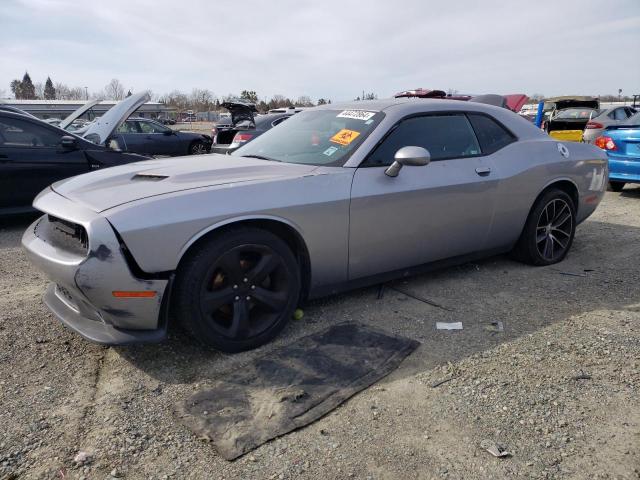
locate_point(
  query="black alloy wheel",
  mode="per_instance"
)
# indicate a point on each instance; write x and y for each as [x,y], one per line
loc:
[239,291]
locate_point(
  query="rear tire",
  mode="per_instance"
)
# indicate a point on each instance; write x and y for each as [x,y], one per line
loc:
[616,186]
[238,291]
[548,233]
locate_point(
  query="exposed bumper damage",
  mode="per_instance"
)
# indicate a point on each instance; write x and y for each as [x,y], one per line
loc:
[81,254]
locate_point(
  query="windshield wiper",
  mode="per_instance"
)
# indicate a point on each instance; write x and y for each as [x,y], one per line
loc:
[261,157]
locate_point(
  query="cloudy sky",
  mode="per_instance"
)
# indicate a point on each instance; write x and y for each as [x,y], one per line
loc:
[331,49]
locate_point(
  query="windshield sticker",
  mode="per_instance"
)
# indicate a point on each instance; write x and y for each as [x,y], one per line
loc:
[356,114]
[330,151]
[344,136]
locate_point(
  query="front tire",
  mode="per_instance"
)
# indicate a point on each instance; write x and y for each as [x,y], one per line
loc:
[197,148]
[616,186]
[238,291]
[549,230]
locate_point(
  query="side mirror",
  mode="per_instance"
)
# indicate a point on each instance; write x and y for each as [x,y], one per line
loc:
[68,142]
[411,156]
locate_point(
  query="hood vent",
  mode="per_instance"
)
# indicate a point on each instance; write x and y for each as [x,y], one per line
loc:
[149,177]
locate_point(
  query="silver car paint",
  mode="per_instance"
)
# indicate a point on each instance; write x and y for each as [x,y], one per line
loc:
[104,126]
[354,221]
[77,113]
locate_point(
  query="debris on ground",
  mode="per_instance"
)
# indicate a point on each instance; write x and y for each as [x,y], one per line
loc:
[494,449]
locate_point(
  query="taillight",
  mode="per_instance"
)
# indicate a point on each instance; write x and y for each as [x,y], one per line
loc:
[606,143]
[242,137]
[214,131]
[594,125]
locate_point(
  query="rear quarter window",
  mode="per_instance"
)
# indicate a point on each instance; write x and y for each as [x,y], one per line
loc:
[491,135]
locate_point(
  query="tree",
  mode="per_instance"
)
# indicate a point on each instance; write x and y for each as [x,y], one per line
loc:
[129,93]
[62,91]
[322,101]
[201,99]
[28,89]
[49,91]
[23,89]
[114,90]
[39,89]
[16,88]
[303,101]
[249,95]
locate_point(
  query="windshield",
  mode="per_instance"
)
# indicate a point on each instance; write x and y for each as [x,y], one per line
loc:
[314,137]
[576,113]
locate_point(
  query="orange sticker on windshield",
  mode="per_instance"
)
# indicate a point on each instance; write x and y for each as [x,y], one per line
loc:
[344,136]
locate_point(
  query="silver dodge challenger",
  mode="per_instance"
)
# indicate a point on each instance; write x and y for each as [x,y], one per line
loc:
[337,197]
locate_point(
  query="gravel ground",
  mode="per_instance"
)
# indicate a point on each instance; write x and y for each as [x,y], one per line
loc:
[557,386]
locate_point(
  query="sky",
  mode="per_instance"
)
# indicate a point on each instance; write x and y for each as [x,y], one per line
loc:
[329,49]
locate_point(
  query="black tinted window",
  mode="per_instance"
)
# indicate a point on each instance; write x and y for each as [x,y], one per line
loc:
[445,136]
[21,133]
[491,135]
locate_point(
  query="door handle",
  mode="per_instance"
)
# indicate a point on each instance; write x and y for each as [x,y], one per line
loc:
[483,171]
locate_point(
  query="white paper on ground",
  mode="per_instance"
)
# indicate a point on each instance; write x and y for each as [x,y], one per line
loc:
[449,325]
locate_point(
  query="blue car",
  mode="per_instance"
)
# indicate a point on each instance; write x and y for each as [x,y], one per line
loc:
[622,144]
[148,137]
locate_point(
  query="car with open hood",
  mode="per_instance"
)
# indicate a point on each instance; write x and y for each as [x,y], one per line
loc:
[34,154]
[336,197]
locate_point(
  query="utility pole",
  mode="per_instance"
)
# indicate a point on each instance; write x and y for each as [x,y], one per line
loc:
[86,93]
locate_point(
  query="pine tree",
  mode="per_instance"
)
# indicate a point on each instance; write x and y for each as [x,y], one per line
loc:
[27,87]
[49,91]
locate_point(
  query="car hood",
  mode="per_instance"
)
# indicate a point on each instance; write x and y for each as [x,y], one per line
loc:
[77,113]
[240,111]
[111,187]
[103,127]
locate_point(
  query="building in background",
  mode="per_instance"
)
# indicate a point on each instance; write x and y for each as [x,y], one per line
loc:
[47,109]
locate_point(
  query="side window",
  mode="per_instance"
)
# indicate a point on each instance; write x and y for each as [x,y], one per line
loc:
[128,127]
[630,111]
[150,127]
[620,114]
[491,135]
[21,133]
[445,136]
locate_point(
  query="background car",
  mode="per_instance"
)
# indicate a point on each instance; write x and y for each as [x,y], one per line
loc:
[622,144]
[336,197]
[34,154]
[262,123]
[148,137]
[242,117]
[603,118]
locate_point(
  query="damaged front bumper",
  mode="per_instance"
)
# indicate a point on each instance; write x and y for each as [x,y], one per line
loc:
[94,291]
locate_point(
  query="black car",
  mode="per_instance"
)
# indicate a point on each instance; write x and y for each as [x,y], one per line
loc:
[247,132]
[34,154]
[148,137]
[242,117]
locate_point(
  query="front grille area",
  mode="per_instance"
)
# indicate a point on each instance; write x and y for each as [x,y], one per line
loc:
[63,234]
